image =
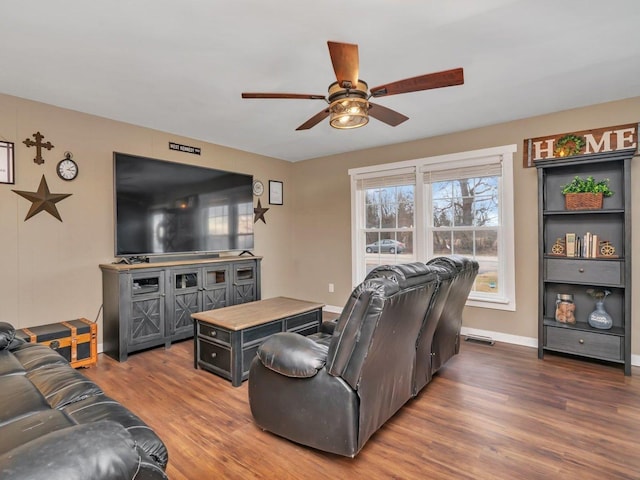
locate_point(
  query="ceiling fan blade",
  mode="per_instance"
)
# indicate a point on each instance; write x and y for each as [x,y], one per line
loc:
[386,115]
[344,57]
[301,96]
[446,78]
[316,119]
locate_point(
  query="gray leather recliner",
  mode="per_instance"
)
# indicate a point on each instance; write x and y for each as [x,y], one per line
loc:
[333,391]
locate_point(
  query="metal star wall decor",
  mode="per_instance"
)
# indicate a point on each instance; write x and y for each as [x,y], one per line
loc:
[42,200]
[258,213]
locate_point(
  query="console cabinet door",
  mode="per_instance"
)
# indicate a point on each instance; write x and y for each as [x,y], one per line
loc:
[215,287]
[185,299]
[244,283]
[147,310]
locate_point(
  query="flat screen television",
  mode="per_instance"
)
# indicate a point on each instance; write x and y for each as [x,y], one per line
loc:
[164,208]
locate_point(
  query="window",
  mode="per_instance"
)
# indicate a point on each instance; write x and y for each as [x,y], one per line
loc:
[458,204]
[387,219]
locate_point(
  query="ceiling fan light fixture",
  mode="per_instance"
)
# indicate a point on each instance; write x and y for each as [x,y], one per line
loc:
[349,113]
[348,107]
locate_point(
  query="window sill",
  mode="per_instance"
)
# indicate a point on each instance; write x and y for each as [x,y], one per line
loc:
[492,303]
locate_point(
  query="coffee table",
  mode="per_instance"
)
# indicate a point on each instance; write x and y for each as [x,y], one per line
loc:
[226,339]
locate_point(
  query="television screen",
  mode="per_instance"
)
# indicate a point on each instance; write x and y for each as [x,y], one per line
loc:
[167,208]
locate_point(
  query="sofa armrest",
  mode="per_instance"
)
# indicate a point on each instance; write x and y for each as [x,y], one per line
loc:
[7,334]
[292,355]
[328,326]
[101,450]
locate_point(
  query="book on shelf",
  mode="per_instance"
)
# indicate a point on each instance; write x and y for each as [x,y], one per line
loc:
[594,246]
[586,247]
[570,242]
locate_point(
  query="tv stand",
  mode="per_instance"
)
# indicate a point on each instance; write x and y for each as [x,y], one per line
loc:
[150,304]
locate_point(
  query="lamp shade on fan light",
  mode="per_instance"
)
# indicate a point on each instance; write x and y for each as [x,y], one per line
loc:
[349,108]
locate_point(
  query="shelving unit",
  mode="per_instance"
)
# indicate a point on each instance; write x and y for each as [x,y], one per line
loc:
[574,275]
[150,304]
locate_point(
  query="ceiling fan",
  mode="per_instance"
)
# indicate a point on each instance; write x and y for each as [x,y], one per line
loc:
[348,98]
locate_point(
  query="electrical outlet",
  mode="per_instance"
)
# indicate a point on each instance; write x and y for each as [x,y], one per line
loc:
[331,288]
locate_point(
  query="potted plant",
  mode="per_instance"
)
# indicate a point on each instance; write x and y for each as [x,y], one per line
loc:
[585,194]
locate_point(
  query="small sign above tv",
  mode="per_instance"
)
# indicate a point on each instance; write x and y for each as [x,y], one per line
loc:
[184,148]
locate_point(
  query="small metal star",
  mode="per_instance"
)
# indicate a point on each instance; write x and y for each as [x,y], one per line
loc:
[43,200]
[258,213]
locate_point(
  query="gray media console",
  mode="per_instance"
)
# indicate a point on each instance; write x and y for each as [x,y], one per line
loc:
[147,305]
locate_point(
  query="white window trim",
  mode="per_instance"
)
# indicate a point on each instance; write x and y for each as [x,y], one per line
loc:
[461,159]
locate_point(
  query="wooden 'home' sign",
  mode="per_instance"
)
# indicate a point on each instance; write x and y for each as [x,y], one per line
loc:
[608,139]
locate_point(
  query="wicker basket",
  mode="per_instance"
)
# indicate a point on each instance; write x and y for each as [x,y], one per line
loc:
[583,201]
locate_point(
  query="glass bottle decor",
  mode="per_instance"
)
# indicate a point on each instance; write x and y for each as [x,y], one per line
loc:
[599,318]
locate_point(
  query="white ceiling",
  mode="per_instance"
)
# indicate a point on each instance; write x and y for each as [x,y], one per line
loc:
[181,65]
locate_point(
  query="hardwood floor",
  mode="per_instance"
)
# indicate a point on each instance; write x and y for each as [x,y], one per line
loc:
[494,412]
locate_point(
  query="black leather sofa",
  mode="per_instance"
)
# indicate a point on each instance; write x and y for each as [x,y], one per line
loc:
[57,424]
[333,390]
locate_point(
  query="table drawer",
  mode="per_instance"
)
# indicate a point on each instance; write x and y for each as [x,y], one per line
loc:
[216,333]
[261,332]
[590,344]
[585,271]
[302,319]
[214,355]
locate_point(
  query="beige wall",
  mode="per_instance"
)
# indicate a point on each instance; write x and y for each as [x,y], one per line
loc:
[322,243]
[50,269]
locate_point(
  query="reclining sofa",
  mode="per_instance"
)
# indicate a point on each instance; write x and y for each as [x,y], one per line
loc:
[56,424]
[333,390]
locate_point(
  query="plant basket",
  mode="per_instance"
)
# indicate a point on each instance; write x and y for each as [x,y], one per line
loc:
[583,201]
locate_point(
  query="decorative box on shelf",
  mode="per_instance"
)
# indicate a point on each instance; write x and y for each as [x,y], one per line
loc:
[583,201]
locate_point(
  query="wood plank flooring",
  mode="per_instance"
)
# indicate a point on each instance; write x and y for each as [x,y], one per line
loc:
[494,412]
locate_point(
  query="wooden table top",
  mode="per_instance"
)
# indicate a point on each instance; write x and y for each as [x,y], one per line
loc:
[245,315]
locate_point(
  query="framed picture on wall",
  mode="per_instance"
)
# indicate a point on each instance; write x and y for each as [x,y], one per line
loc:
[6,163]
[275,192]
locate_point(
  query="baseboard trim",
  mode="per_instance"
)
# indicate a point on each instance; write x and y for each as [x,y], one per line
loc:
[502,337]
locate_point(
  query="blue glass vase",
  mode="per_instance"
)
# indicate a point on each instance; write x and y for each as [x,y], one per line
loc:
[599,318]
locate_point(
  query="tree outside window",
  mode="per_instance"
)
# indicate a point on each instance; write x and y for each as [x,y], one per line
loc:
[466,220]
[389,224]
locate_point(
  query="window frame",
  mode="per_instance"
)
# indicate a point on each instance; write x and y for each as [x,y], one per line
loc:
[422,232]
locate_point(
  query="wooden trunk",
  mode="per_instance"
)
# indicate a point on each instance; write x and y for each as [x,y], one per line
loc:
[75,340]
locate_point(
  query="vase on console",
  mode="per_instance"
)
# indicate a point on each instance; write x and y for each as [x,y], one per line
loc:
[599,318]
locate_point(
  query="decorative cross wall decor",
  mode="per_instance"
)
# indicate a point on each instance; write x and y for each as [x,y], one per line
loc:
[39,146]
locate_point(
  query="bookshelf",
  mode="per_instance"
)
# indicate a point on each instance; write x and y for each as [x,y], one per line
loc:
[605,264]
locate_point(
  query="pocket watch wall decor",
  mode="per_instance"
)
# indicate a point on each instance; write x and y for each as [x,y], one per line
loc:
[67,169]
